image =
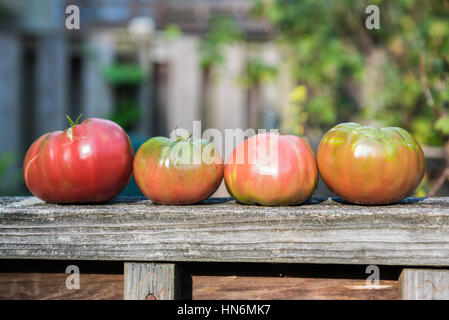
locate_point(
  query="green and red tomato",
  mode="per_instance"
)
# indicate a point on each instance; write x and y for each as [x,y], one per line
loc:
[369,165]
[271,169]
[181,171]
[89,162]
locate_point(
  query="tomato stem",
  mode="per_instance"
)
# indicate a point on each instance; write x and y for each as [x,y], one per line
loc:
[179,138]
[72,124]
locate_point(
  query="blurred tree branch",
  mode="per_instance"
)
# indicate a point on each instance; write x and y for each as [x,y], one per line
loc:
[425,84]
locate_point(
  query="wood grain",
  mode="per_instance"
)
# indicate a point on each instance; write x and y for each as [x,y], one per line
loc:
[151,281]
[414,232]
[424,284]
[52,286]
[276,288]
[45,286]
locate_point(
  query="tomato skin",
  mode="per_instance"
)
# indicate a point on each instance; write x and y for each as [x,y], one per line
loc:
[165,179]
[368,165]
[89,163]
[292,181]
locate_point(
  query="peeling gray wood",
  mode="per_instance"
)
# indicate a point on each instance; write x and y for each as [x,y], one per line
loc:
[424,284]
[151,281]
[414,232]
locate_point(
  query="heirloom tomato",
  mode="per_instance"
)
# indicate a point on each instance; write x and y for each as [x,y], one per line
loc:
[271,169]
[178,171]
[369,165]
[88,162]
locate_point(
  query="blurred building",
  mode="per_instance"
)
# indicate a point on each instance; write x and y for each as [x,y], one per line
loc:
[121,64]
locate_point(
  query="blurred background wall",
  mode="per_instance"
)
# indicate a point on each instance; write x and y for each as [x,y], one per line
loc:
[151,66]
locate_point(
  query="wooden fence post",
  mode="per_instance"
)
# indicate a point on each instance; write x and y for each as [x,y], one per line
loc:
[424,284]
[51,82]
[152,281]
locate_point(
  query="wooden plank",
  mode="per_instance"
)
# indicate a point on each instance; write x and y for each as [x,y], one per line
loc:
[151,281]
[52,286]
[424,284]
[413,232]
[276,288]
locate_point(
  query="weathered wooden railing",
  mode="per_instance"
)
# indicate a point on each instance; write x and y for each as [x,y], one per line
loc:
[154,242]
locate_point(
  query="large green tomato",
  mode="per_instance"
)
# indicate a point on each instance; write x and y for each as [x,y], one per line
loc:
[369,165]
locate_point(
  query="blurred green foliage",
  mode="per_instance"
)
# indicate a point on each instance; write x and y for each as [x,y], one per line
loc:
[126,113]
[374,76]
[296,122]
[172,31]
[257,72]
[7,159]
[11,178]
[125,78]
[222,31]
[124,74]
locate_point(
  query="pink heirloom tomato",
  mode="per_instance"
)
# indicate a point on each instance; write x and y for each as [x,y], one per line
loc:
[271,169]
[88,162]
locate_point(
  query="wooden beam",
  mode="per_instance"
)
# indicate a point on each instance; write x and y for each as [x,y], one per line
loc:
[413,232]
[52,286]
[424,284]
[152,281]
[273,288]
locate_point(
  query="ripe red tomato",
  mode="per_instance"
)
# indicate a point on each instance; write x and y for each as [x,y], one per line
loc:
[258,173]
[88,162]
[177,172]
[368,165]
